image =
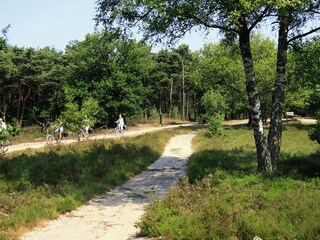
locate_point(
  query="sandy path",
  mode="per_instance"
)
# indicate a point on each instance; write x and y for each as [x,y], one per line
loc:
[112,216]
[72,139]
[137,131]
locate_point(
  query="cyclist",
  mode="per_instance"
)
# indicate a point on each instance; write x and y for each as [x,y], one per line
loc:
[120,123]
[86,123]
[3,126]
[59,129]
[3,134]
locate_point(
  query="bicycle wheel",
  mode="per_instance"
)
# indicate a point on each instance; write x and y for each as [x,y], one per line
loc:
[79,134]
[2,148]
[50,139]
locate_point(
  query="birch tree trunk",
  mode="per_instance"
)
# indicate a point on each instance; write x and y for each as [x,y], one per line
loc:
[275,131]
[263,154]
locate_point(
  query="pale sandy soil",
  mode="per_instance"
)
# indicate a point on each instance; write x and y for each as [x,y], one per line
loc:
[113,215]
[72,139]
[140,130]
[306,121]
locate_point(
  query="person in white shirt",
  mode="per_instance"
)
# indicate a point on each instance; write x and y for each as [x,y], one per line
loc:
[120,122]
[86,123]
[3,126]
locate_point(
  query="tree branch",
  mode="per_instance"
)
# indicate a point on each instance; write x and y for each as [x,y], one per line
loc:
[304,34]
[262,15]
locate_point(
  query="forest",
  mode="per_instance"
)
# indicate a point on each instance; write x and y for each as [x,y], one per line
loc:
[106,75]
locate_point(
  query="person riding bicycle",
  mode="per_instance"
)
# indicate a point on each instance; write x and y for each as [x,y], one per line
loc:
[3,126]
[59,129]
[3,132]
[120,123]
[86,123]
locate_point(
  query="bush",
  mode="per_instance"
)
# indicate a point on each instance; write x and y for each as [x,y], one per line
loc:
[175,113]
[66,204]
[215,126]
[314,134]
[13,131]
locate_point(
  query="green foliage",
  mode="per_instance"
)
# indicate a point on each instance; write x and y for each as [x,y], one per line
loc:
[213,102]
[223,197]
[215,126]
[72,117]
[221,72]
[31,74]
[12,130]
[123,76]
[4,38]
[313,100]
[175,112]
[152,113]
[113,71]
[264,54]
[90,108]
[314,133]
[66,204]
[303,74]
[236,208]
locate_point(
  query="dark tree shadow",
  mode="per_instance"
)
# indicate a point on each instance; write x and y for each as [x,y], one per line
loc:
[240,162]
[58,167]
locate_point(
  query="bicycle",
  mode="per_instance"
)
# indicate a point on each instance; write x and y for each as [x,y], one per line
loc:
[54,136]
[4,146]
[118,131]
[82,134]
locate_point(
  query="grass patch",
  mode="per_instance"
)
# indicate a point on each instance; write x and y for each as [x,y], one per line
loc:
[32,133]
[41,184]
[224,198]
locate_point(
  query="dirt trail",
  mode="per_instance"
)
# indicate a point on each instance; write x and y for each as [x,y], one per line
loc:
[138,131]
[72,139]
[112,216]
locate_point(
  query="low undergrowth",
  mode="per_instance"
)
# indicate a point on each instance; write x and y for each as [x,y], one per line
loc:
[41,184]
[223,196]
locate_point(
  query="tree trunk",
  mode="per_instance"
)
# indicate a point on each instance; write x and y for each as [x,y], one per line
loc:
[249,124]
[159,109]
[183,92]
[145,114]
[19,103]
[160,116]
[3,110]
[170,98]
[23,100]
[263,154]
[187,109]
[275,131]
